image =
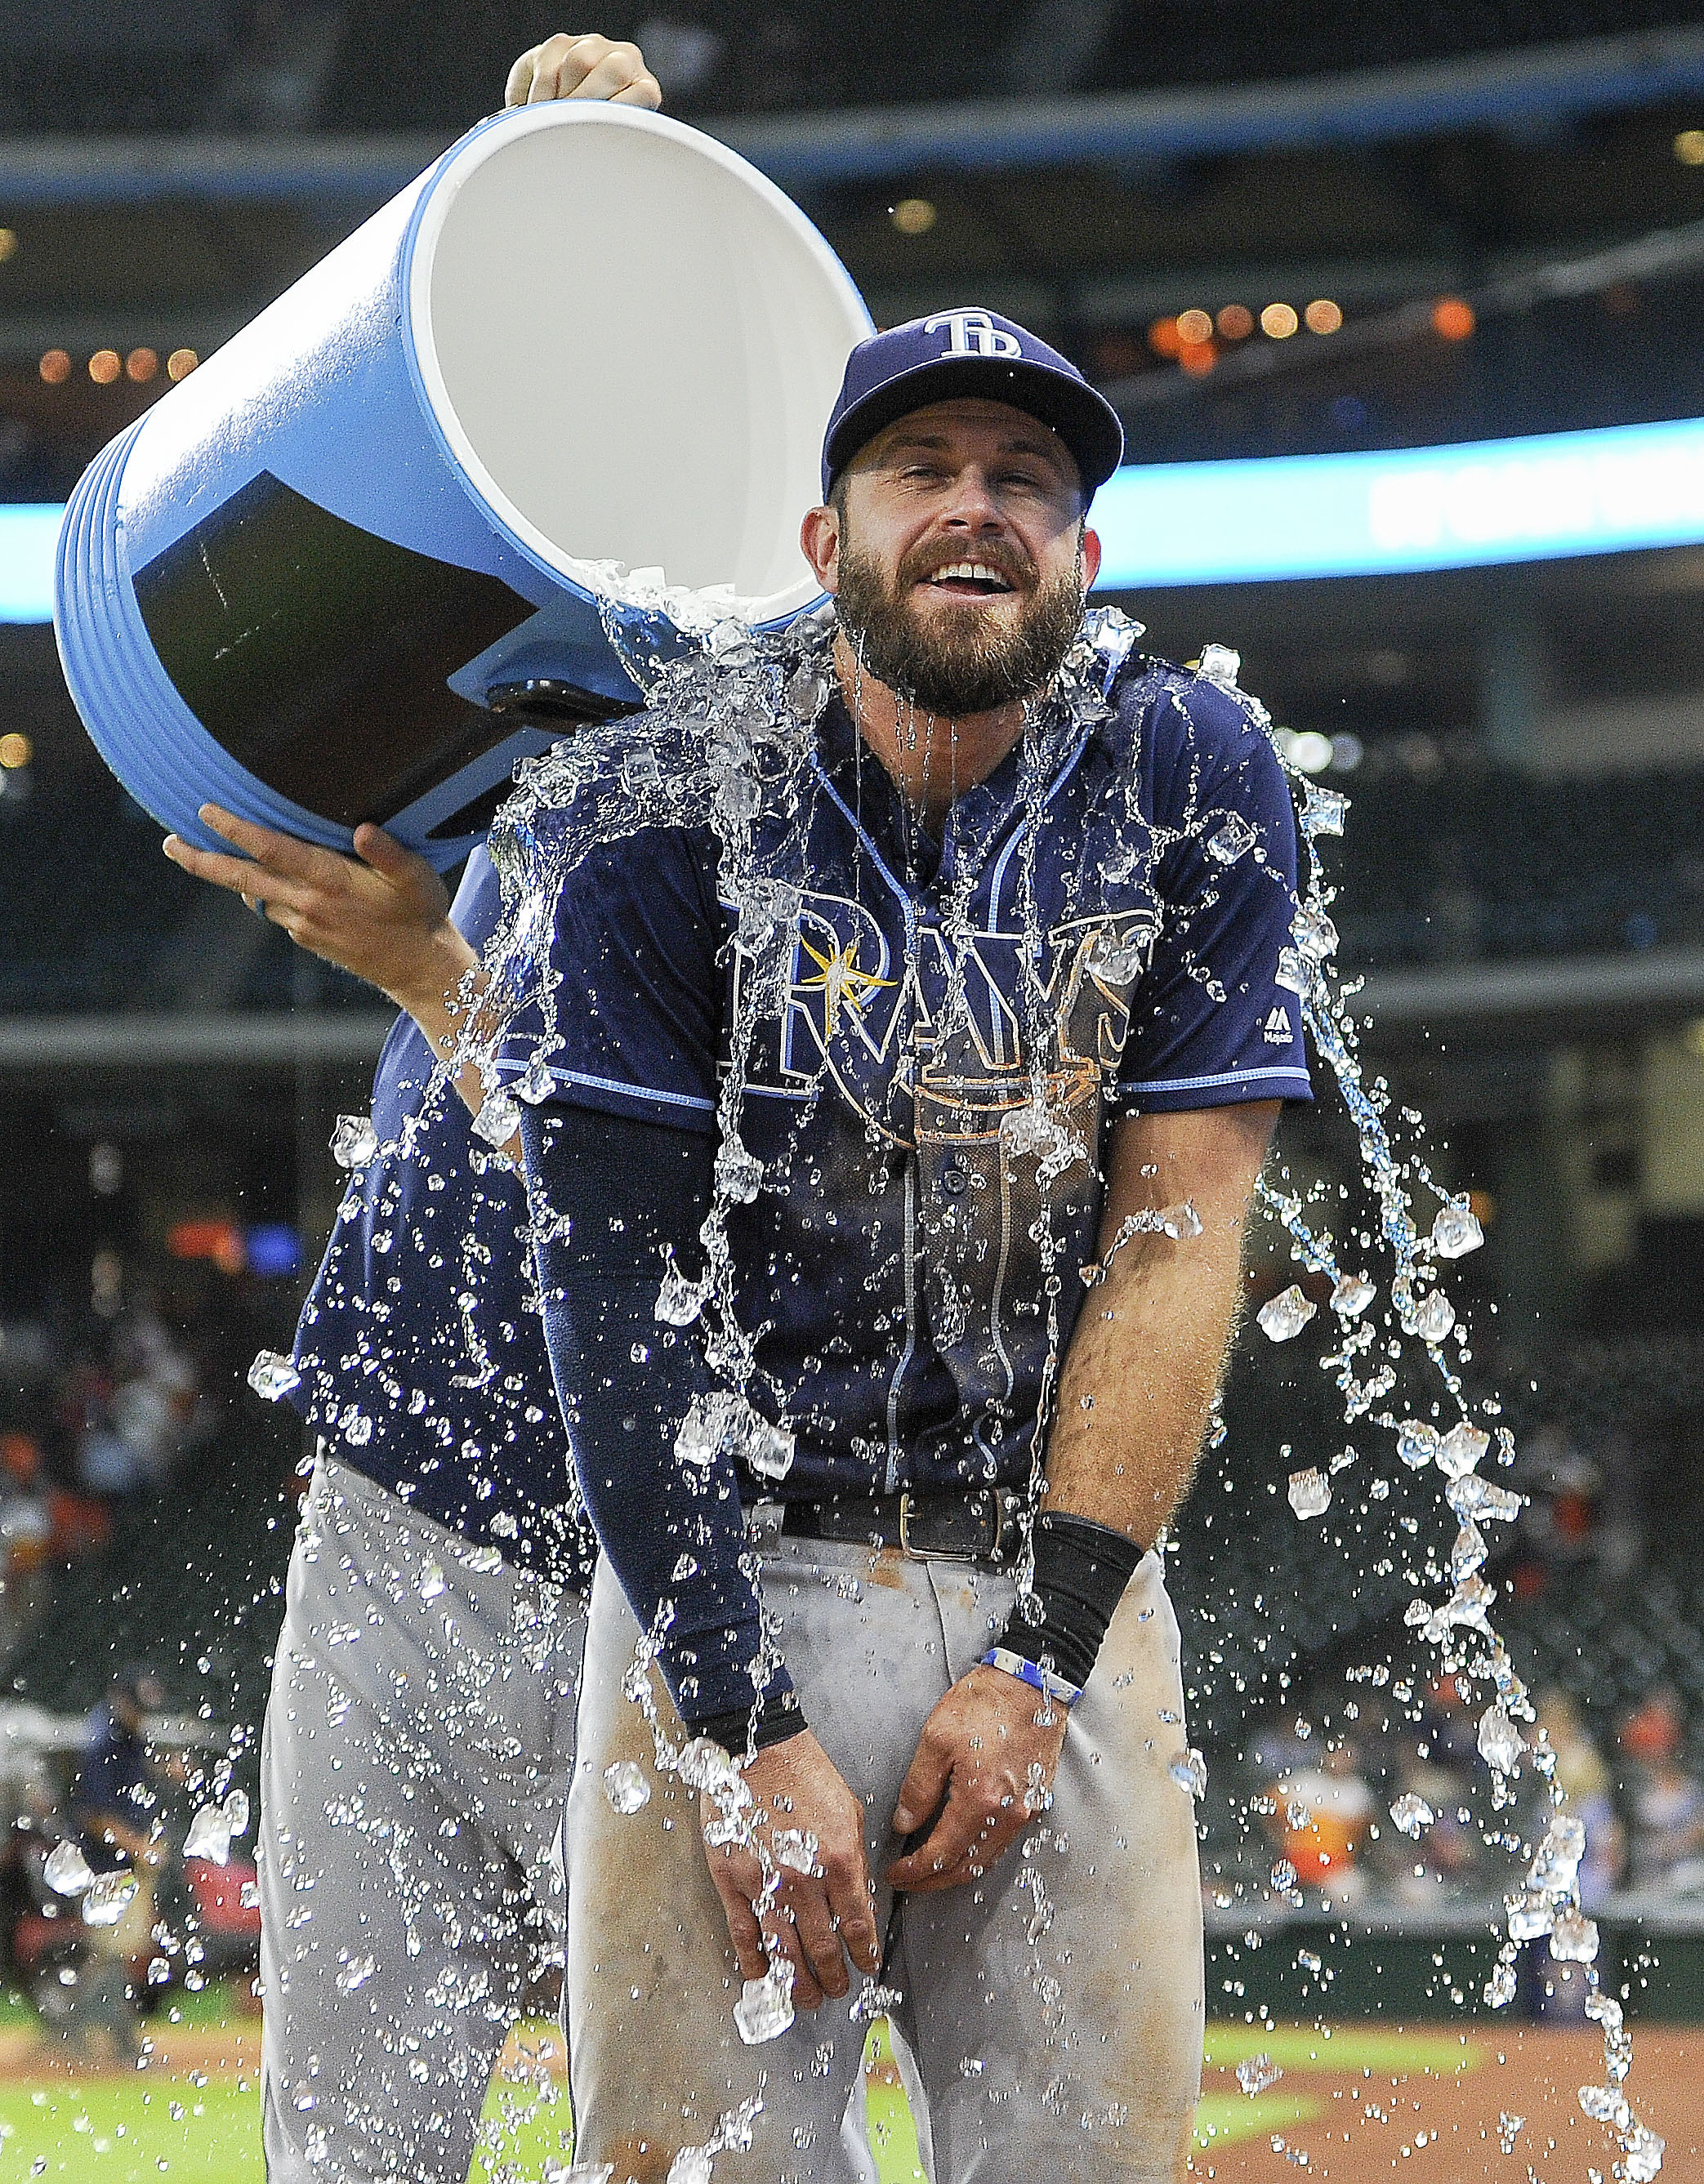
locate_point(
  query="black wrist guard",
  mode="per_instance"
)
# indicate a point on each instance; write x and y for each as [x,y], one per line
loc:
[1081,1571]
[746,1729]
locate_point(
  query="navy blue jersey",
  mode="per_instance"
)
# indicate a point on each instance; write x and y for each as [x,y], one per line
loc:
[1101,924]
[420,1348]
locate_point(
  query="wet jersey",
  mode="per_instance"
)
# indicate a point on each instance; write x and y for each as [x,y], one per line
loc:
[1100,924]
[420,1350]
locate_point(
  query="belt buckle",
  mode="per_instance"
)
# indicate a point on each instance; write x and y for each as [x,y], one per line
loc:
[991,1551]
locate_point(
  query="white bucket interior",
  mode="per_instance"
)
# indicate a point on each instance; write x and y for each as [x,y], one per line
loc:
[633,343]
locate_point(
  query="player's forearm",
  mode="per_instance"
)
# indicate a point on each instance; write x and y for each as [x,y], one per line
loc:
[1138,1381]
[1146,1358]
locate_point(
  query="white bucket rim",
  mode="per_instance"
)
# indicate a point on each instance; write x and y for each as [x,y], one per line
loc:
[458,164]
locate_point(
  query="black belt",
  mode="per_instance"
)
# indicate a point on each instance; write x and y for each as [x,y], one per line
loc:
[980,1526]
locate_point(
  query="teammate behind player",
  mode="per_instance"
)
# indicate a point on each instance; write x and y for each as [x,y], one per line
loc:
[1033,890]
[420,1737]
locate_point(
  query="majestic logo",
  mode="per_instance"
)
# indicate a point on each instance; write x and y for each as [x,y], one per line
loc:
[1279,1030]
[973,334]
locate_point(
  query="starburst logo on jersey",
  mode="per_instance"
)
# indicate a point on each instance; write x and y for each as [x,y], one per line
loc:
[840,983]
[1279,1030]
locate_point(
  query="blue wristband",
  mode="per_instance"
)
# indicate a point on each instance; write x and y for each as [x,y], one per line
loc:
[1026,1672]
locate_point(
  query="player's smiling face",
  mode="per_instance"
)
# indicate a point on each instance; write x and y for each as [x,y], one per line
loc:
[966,500]
[957,554]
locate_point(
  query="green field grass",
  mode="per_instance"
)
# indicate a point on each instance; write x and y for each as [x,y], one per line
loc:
[105,2127]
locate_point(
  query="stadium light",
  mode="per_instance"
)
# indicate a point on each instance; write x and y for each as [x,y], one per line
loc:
[1541,498]
[29,532]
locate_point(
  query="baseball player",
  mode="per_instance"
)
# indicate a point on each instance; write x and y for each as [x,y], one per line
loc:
[419,1738]
[951,1213]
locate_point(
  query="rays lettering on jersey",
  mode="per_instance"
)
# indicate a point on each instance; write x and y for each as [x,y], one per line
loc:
[862,1017]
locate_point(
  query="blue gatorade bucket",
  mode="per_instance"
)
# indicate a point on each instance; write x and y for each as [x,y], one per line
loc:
[322,579]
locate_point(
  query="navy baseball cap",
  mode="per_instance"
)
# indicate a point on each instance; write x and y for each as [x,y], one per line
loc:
[969,351]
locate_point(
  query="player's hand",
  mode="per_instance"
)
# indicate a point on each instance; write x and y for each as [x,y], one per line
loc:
[984,1770]
[817,1919]
[383,914]
[588,67]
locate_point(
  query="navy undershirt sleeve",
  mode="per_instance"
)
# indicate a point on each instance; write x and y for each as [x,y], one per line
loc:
[672,1531]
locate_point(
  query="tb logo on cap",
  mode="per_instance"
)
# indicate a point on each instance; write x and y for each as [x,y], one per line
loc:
[973,334]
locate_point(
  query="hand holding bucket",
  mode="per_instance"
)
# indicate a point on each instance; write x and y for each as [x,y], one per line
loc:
[587,335]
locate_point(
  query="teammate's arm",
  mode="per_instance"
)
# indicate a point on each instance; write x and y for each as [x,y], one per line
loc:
[383,915]
[1135,1393]
[564,66]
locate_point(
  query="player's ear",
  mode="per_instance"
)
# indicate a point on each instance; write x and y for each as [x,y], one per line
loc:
[1091,557]
[819,536]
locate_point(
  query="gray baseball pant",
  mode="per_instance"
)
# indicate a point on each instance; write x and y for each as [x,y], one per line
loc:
[1056,2009]
[418,1748]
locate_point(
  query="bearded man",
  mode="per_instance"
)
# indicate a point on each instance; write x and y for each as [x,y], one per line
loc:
[930,978]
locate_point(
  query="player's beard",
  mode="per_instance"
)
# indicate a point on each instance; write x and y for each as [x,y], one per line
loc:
[959,659]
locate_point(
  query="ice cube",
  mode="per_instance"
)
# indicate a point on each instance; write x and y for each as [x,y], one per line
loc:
[1294,972]
[702,1430]
[1219,664]
[1116,958]
[1531,1914]
[354,1971]
[1352,1295]
[1501,1743]
[108,1897]
[67,1871]
[273,1376]
[1642,2154]
[499,1119]
[1323,811]
[1470,1496]
[765,2009]
[1509,2129]
[208,1837]
[1231,839]
[1417,1443]
[641,775]
[739,1177]
[1256,2074]
[1431,1317]
[1188,1770]
[1180,1223]
[705,1766]
[1285,1315]
[1455,1232]
[1461,1449]
[1500,1988]
[354,1141]
[1573,1938]
[625,1787]
[236,1812]
[1314,934]
[807,693]
[1410,1813]
[1310,1493]
[1606,2104]
[431,1581]
[1468,1552]
[795,1847]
